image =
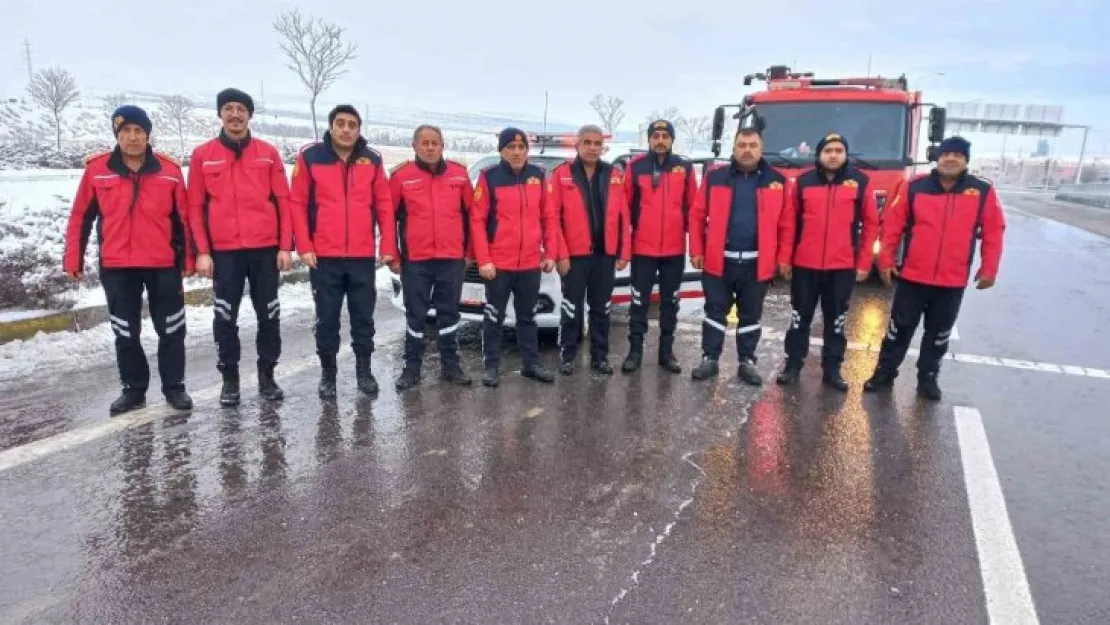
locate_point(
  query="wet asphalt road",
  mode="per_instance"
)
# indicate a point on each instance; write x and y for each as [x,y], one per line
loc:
[639,499]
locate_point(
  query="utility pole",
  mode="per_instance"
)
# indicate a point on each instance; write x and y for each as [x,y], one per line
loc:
[1082,149]
[869,65]
[27,54]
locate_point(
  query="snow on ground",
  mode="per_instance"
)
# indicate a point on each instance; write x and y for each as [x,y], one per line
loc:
[19,315]
[46,352]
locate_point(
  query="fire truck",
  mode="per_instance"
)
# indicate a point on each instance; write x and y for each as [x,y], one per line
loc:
[879,116]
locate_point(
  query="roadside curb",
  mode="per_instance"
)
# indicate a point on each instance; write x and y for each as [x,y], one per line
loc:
[79,319]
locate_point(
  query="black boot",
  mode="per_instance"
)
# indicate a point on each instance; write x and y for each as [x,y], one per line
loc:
[666,356]
[927,386]
[707,369]
[454,374]
[492,377]
[367,385]
[748,374]
[410,378]
[267,386]
[879,381]
[834,380]
[538,373]
[566,367]
[634,358]
[791,373]
[328,371]
[130,399]
[229,394]
[178,399]
[602,366]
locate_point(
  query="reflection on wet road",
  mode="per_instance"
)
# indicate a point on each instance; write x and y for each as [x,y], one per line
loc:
[637,499]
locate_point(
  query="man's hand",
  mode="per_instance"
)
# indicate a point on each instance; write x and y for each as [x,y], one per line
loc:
[564,267]
[487,271]
[862,275]
[76,276]
[697,262]
[188,273]
[395,266]
[204,265]
[284,261]
[884,275]
[983,282]
[621,264]
[547,266]
[786,271]
[308,258]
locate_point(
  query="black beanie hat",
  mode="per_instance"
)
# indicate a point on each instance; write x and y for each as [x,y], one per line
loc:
[958,145]
[832,137]
[660,124]
[508,135]
[130,114]
[344,108]
[234,95]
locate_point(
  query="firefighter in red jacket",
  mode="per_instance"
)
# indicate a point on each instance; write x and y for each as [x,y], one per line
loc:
[239,211]
[588,196]
[138,197]
[660,187]
[835,223]
[340,195]
[941,215]
[739,232]
[431,203]
[516,236]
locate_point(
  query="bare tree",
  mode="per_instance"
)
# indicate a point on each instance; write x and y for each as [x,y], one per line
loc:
[315,51]
[176,111]
[610,109]
[54,89]
[695,129]
[670,114]
[113,101]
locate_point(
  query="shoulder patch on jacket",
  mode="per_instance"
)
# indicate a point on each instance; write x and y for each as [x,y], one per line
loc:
[394,169]
[308,145]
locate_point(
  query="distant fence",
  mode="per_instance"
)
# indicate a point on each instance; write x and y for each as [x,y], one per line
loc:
[1094,194]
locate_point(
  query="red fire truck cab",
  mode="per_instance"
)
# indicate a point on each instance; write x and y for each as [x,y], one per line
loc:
[880,117]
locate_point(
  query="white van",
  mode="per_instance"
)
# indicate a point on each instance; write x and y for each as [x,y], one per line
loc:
[547,307]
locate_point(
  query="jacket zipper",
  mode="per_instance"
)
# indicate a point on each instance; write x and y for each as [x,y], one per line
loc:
[663,208]
[523,204]
[346,209]
[828,217]
[131,211]
[432,206]
[943,231]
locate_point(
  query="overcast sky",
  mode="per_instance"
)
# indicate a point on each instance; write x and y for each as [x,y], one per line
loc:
[501,56]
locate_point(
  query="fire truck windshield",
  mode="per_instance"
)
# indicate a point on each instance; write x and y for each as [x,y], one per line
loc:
[876,131]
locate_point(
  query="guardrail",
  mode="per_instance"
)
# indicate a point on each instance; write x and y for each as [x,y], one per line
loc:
[1092,194]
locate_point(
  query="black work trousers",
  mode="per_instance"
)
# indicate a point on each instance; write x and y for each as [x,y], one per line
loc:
[939,305]
[589,282]
[669,270]
[432,284]
[231,271]
[524,287]
[336,279]
[123,288]
[740,286]
[834,288]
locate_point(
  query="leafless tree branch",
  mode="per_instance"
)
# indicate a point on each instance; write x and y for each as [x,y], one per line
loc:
[610,109]
[315,51]
[54,89]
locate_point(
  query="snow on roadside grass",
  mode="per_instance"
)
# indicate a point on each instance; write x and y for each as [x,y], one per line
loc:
[45,353]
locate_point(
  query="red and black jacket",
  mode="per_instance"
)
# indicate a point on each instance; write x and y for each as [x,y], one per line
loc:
[238,196]
[941,228]
[511,223]
[660,196]
[836,221]
[141,217]
[709,220]
[338,204]
[568,192]
[432,207]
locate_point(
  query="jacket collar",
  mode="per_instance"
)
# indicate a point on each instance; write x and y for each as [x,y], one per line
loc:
[435,170]
[235,145]
[150,164]
[359,149]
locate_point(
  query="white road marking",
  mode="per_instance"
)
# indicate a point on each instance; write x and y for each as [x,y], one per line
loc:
[16,456]
[1004,582]
[1009,363]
